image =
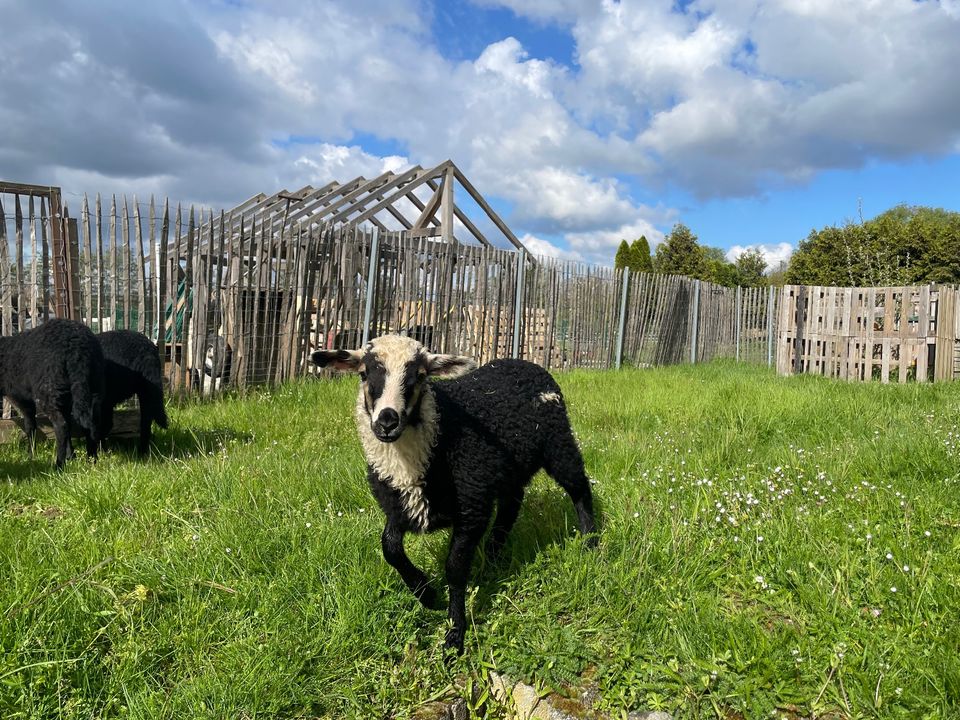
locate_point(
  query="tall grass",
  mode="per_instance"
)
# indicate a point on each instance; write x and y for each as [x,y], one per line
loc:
[769,547]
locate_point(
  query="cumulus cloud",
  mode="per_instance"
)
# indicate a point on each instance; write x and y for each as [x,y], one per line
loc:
[717,98]
[774,254]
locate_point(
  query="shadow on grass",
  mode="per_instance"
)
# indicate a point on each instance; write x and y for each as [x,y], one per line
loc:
[547,519]
[177,442]
[16,464]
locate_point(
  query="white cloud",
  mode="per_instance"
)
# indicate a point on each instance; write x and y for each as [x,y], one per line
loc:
[723,99]
[601,245]
[773,254]
[317,164]
[545,248]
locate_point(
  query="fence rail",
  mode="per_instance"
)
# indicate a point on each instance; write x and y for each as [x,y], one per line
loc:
[243,301]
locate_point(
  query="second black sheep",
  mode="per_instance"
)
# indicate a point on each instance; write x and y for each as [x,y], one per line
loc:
[132,367]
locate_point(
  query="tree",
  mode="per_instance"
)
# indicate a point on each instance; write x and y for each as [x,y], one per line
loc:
[640,260]
[680,254]
[750,267]
[902,246]
[717,269]
[623,257]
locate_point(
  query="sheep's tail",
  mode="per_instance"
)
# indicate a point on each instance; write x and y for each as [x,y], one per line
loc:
[86,389]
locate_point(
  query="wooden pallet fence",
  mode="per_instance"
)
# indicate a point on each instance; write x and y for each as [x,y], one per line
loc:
[885,334]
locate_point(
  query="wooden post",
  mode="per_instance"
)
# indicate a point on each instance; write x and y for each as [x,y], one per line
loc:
[60,245]
[518,305]
[623,316]
[371,283]
[694,326]
[739,319]
[446,206]
[71,240]
[771,296]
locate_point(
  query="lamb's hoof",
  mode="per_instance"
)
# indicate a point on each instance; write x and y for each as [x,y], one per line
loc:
[427,597]
[591,541]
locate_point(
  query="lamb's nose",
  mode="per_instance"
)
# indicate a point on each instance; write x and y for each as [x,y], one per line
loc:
[388,421]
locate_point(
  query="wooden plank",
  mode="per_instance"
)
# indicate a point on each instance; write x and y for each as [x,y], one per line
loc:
[177,353]
[126,425]
[142,269]
[357,200]
[153,282]
[45,256]
[446,205]
[428,213]
[188,300]
[162,293]
[114,266]
[127,270]
[21,276]
[6,281]
[457,213]
[31,314]
[100,291]
[478,198]
[409,184]
[88,253]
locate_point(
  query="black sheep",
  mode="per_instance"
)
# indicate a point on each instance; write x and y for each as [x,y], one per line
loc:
[56,369]
[133,367]
[443,454]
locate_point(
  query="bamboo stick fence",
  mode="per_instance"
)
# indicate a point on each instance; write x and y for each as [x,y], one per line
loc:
[244,301]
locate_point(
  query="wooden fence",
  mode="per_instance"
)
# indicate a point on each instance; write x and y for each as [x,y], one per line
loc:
[888,334]
[239,301]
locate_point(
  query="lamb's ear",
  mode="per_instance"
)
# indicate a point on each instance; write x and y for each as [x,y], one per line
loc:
[449,366]
[343,360]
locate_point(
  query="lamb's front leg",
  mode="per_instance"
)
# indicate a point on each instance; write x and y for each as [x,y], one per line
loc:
[463,545]
[392,543]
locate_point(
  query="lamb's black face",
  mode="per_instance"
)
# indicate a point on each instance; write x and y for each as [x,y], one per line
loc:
[393,370]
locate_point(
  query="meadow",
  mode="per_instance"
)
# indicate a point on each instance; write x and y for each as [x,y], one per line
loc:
[770,547]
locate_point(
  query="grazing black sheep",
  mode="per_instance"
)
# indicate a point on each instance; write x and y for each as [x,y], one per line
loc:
[56,369]
[442,454]
[132,364]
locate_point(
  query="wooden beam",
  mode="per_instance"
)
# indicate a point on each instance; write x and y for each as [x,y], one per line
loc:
[425,232]
[323,196]
[351,197]
[402,192]
[429,211]
[446,205]
[501,225]
[15,188]
[418,204]
[462,217]
[398,180]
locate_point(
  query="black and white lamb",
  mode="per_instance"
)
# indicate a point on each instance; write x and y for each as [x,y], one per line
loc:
[132,364]
[443,454]
[56,369]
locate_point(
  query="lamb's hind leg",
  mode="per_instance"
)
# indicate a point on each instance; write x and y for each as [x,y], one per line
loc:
[508,507]
[391,541]
[564,463]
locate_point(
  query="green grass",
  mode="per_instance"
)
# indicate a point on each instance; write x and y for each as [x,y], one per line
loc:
[238,573]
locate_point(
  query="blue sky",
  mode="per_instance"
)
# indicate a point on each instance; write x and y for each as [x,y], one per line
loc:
[583,121]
